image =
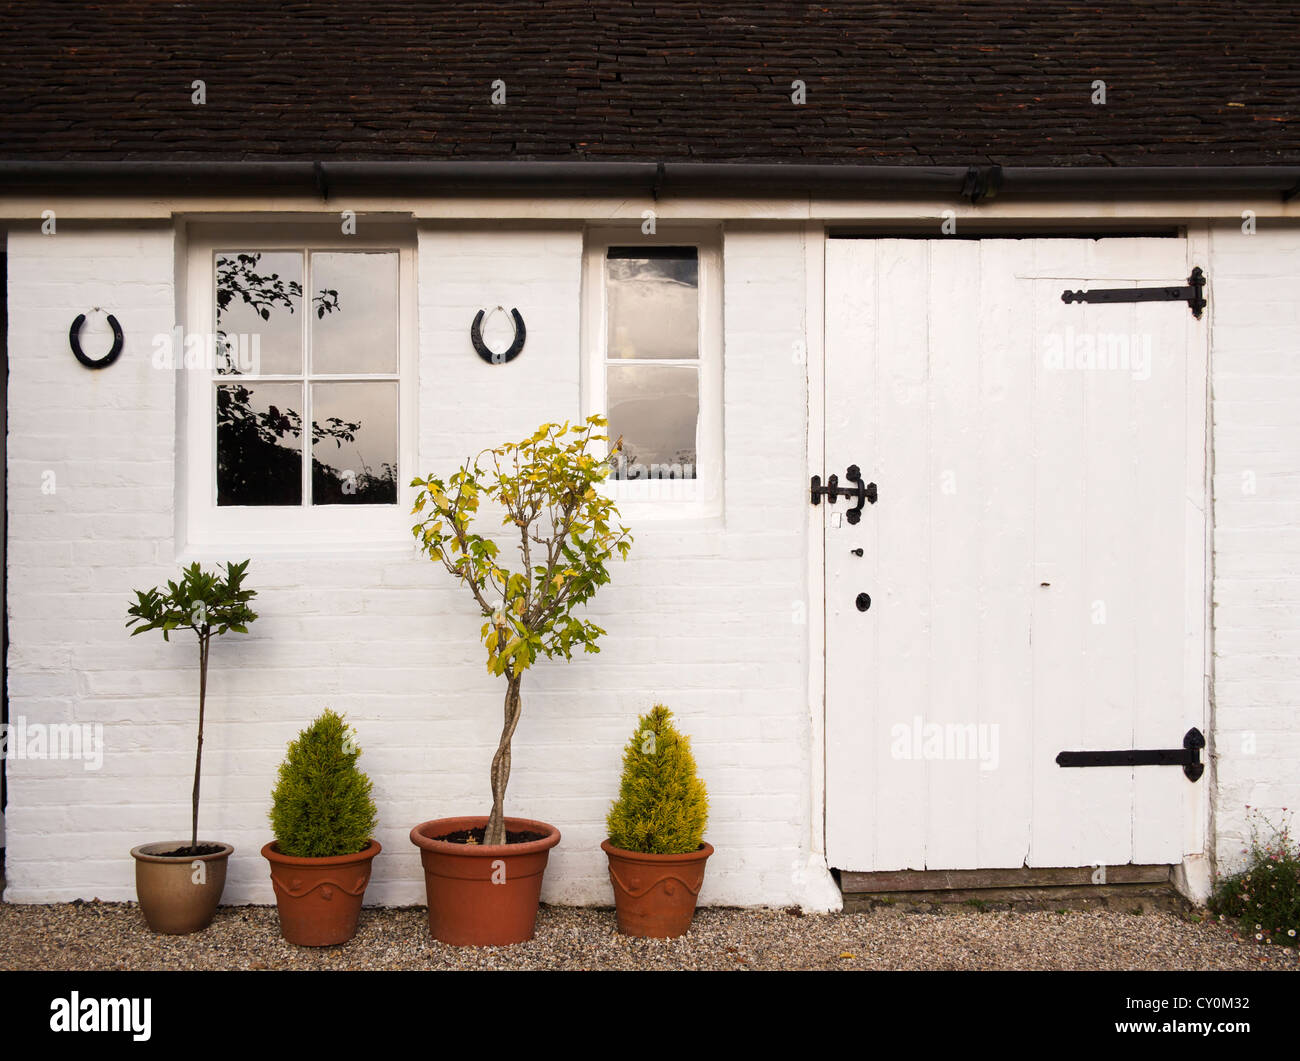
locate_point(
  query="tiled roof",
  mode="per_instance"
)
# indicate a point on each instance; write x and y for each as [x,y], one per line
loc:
[922,83]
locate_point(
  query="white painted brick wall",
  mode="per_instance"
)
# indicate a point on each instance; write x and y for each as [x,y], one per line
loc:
[702,620]
[1255,359]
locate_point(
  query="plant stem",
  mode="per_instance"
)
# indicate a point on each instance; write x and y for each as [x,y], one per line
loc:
[496,826]
[204,638]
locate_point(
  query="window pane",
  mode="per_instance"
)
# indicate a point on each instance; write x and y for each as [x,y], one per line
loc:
[259,312]
[653,302]
[353,312]
[655,409]
[259,444]
[354,443]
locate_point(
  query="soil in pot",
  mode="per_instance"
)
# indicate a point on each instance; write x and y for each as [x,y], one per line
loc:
[479,894]
[475,836]
[319,899]
[655,895]
[191,851]
[179,893]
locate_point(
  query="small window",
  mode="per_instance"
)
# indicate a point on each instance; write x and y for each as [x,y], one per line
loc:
[654,331]
[299,421]
[652,351]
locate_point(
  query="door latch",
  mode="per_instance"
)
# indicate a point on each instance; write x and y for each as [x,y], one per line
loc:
[863,492]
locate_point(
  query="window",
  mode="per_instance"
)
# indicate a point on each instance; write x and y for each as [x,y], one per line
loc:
[653,327]
[299,389]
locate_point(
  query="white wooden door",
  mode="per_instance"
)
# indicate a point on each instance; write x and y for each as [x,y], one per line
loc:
[1035,561]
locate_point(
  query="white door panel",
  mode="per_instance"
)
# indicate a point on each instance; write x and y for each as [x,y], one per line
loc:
[1028,559]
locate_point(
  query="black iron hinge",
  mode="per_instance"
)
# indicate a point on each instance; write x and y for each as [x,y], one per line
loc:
[1193,294]
[1188,756]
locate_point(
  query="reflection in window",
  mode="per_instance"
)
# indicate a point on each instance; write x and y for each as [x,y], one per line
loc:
[351,331]
[354,444]
[655,409]
[259,444]
[652,360]
[259,313]
[364,339]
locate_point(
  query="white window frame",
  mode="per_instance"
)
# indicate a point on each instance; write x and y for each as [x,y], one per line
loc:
[208,526]
[702,497]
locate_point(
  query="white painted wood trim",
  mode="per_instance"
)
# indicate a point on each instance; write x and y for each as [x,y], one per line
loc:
[925,213]
[664,499]
[203,529]
[814,248]
[1200,541]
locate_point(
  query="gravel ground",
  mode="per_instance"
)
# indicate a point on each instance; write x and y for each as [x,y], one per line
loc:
[113,936]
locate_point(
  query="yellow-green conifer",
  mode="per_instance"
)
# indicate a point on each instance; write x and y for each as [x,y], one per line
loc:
[662,806]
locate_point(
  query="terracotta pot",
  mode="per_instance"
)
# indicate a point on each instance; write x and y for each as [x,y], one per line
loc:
[654,895]
[176,896]
[483,895]
[319,899]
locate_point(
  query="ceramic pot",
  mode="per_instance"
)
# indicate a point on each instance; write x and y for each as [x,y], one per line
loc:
[654,895]
[179,895]
[483,895]
[319,899]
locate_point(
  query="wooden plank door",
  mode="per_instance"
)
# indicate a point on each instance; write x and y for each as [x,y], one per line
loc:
[1034,573]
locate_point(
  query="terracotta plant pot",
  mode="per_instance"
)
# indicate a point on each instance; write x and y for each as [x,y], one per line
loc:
[481,895]
[319,899]
[654,895]
[176,897]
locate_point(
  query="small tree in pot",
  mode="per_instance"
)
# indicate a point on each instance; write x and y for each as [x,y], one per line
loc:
[179,885]
[323,816]
[546,489]
[656,842]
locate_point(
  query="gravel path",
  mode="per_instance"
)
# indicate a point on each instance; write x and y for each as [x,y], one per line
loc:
[87,936]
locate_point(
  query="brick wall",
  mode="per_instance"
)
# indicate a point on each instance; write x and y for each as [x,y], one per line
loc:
[1255,356]
[703,618]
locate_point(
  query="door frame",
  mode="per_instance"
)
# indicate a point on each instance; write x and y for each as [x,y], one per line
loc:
[1194,874]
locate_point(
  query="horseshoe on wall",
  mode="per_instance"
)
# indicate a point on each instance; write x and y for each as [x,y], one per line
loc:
[492,358]
[74,339]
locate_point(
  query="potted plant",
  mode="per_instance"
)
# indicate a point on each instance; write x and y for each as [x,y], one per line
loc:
[483,874]
[178,884]
[322,817]
[656,844]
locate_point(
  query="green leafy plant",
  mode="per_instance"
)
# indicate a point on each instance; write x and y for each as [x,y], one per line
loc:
[209,605]
[546,488]
[1264,898]
[662,806]
[321,804]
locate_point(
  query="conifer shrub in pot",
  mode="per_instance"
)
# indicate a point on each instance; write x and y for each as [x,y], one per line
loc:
[179,885]
[322,815]
[656,844]
[483,874]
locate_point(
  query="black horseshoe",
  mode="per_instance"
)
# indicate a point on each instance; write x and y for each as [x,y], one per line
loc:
[476,337]
[74,338]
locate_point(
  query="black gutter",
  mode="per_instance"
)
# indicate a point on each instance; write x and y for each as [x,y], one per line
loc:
[332,180]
